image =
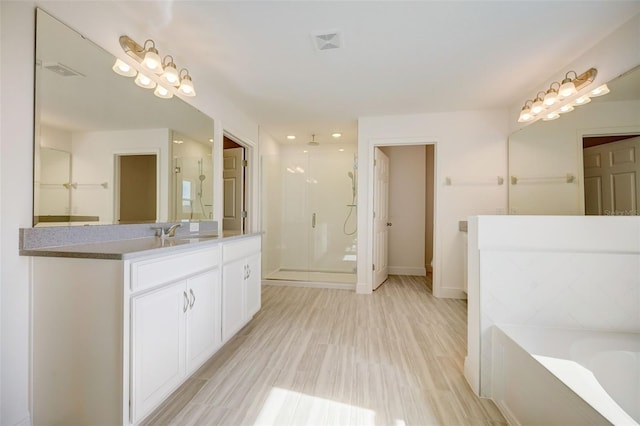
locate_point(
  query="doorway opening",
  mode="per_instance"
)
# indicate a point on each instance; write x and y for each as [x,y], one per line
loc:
[137,183]
[611,175]
[403,230]
[234,177]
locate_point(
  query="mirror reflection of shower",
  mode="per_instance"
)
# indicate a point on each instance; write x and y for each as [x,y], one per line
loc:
[351,228]
[193,171]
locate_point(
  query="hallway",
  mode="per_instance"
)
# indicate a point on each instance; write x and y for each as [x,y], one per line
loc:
[318,356]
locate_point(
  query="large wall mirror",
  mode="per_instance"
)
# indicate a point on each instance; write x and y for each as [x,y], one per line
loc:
[107,151]
[585,162]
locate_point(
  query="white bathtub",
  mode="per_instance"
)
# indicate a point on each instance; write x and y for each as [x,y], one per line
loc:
[549,376]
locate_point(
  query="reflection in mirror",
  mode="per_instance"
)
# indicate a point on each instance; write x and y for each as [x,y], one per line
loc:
[585,162]
[104,123]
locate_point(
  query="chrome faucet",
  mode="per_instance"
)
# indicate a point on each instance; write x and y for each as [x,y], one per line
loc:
[169,232]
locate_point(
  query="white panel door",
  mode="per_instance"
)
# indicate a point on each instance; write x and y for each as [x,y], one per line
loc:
[381,218]
[612,178]
[203,324]
[233,178]
[158,336]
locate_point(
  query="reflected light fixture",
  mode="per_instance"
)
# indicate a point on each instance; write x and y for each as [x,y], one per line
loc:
[144,81]
[157,70]
[336,135]
[560,98]
[163,92]
[291,137]
[124,69]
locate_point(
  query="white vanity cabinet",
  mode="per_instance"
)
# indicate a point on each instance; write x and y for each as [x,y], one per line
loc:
[112,338]
[174,329]
[241,284]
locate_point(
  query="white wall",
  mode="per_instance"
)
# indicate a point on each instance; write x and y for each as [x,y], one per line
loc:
[271,203]
[407,209]
[103,23]
[93,162]
[469,144]
[16,151]
[552,271]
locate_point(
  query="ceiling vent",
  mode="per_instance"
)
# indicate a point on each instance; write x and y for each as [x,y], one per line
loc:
[327,40]
[62,70]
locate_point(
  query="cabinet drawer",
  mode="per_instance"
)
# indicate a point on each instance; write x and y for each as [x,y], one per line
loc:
[240,249]
[158,270]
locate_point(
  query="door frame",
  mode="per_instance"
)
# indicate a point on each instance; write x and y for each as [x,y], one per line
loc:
[601,131]
[116,181]
[367,214]
[251,173]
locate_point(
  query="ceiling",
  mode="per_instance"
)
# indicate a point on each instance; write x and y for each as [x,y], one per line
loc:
[397,57]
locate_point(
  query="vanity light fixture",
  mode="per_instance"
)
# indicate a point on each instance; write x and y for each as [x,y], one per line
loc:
[561,97]
[599,91]
[166,70]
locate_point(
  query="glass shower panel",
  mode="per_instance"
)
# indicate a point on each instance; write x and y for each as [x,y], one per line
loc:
[309,214]
[194,190]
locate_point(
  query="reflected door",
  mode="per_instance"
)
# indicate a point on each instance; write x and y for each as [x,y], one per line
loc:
[612,178]
[137,192]
[233,178]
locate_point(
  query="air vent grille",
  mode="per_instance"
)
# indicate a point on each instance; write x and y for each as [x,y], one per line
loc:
[62,70]
[327,40]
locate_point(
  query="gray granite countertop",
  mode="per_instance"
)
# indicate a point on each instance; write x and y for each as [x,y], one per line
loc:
[132,248]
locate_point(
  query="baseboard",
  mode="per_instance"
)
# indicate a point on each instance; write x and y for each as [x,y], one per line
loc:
[309,284]
[25,422]
[506,413]
[408,270]
[449,293]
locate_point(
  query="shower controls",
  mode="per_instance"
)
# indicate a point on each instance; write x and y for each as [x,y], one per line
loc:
[313,220]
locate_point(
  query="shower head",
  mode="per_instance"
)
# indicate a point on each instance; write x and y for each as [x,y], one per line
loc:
[202,177]
[350,174]
[313,141]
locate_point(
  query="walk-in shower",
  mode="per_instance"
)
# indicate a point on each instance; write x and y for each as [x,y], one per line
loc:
[309,214]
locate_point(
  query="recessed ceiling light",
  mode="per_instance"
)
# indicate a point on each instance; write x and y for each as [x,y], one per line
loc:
[341,150]
[305,151]
[210,140]
[291,137]
[178,141]
[336,135]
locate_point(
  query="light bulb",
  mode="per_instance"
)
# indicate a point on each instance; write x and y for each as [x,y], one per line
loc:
[566,108]
[551,97]
[525,115]
[124,69]
[537,106]
[144,81]
[567,88]
[152,61]
[163,92]
[170,74]
[599,91]
[186,86]
[582,100]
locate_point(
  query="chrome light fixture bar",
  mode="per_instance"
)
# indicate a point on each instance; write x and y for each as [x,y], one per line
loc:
[562,97]
[164,72]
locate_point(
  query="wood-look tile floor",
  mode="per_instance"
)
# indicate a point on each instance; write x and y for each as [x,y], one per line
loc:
[332,357]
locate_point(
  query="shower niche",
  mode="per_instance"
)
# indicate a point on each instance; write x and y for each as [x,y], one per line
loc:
[309,212]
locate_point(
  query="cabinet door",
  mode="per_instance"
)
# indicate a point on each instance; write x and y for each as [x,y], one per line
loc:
[203,318]
[233,311]
[253,285]
[158,341]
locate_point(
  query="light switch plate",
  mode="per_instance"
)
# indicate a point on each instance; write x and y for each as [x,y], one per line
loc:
[194,227]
